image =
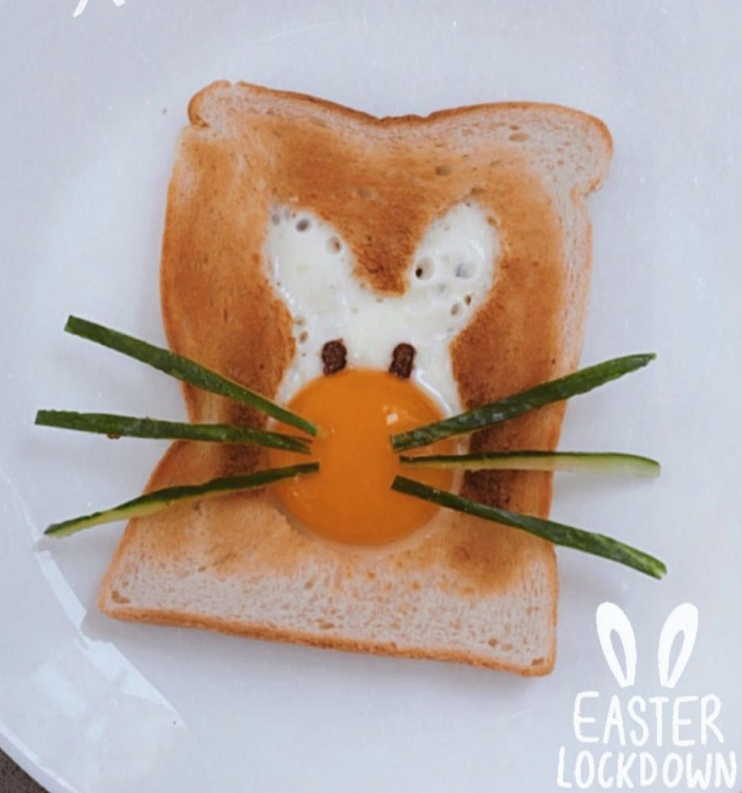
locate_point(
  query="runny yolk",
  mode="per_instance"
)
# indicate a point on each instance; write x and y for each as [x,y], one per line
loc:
[350,500]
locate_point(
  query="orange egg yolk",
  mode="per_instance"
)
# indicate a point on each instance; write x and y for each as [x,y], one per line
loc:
[350,500]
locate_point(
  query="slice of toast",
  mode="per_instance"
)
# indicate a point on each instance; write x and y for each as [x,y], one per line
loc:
[471,591]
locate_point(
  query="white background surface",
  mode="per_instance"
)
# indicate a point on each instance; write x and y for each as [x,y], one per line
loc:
[91,109]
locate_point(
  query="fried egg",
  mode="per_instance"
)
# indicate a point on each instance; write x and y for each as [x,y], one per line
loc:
[369,365]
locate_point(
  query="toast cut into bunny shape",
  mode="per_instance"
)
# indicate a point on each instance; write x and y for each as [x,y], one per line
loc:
[469,591]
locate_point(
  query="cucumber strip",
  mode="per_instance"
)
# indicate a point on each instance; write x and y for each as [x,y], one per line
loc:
[158,500]
[577,462]
[132,427]
[558,533]
[579,382]
[184,369]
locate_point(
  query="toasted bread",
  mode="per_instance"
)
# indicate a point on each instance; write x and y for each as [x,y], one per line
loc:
[472,591]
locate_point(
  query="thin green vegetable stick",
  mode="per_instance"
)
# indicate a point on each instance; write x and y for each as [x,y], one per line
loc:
[558,533]
[577,462]
[184,369]
[579,382]
[159,500]
[132,427]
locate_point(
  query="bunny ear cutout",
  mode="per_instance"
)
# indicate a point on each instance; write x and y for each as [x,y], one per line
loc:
[682,619]
[609,618]
[452,272]
[309,265]
[453,268]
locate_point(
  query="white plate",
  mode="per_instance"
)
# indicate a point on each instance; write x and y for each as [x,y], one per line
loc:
[91,110]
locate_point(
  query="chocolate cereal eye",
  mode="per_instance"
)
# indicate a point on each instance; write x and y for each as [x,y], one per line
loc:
[334,356]
[403,359]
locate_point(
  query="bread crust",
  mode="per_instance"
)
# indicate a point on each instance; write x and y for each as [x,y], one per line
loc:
[380,182]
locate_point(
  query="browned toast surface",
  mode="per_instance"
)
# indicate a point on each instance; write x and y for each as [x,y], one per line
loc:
[380,183]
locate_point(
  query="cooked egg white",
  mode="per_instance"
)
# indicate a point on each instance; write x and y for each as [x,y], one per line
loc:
[312,270]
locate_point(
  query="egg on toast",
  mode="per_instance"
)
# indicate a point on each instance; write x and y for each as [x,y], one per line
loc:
[367,271]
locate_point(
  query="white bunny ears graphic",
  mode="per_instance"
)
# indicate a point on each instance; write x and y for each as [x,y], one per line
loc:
[82,5]
[610,618]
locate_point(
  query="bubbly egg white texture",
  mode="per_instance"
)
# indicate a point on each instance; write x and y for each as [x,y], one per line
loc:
[312,270]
